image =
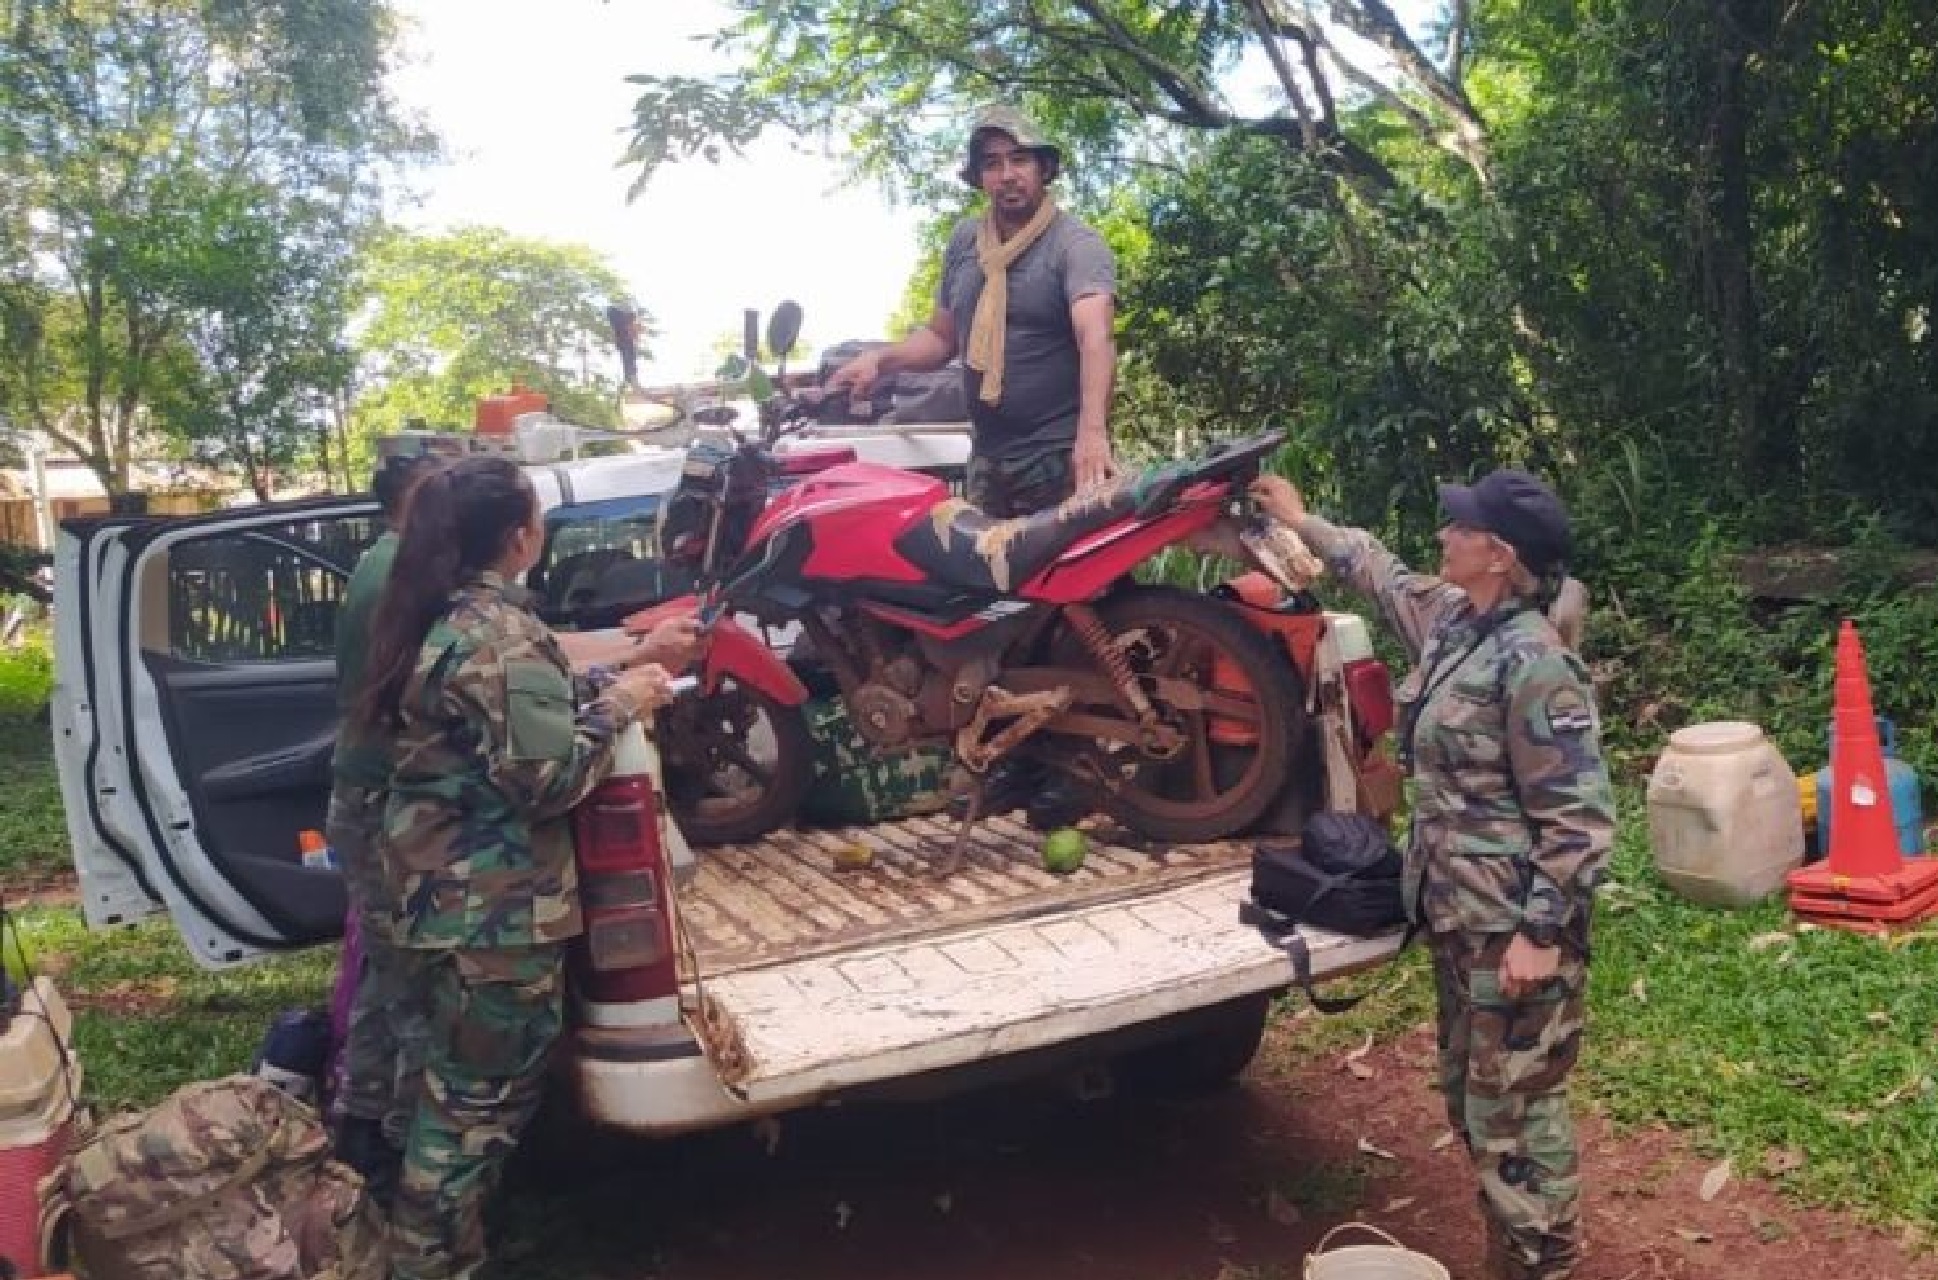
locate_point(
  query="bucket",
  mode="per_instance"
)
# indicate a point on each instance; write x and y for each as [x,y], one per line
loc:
[1389,1261]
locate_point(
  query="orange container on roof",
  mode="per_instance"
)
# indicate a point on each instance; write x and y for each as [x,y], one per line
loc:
[496,414]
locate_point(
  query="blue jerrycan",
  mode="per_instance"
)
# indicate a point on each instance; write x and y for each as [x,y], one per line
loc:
[1907,812]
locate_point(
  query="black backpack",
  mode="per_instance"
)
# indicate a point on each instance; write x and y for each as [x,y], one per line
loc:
[1343,876]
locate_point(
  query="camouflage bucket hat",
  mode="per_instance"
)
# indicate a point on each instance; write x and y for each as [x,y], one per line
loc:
[1002,118]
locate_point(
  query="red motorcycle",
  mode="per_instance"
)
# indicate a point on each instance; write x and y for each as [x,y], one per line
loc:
[938,624]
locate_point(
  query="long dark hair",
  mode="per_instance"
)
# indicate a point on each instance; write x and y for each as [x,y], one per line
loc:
[461,516]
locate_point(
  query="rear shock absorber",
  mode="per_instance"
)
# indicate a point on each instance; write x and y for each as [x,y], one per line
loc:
[1103,647]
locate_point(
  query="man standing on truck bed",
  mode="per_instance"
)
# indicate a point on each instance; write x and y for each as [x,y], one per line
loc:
[1028,298]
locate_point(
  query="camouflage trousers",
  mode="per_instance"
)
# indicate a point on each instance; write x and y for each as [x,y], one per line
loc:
[1504,1069]
[1008,487]
[383,1050]
[495,1016]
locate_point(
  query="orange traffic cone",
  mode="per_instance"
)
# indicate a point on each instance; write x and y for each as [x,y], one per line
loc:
[1864,883]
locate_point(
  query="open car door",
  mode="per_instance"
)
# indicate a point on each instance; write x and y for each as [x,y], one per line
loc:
[195,713]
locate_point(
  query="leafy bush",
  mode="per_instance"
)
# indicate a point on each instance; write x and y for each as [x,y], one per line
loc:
[26,676]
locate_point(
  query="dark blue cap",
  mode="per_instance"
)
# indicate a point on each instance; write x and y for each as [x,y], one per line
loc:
[1518,509]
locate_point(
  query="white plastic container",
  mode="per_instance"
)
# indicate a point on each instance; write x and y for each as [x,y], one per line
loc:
[1725,822]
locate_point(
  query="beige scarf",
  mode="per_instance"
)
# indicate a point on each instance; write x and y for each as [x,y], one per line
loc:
[984,352]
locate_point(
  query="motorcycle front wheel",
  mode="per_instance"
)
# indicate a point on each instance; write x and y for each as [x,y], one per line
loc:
[1240,754]
[738,763]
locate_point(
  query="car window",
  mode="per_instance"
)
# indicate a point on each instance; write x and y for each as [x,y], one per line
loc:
[266,594]
[601,561]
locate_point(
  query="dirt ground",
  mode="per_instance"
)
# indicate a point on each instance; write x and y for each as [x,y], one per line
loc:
[1027,1185]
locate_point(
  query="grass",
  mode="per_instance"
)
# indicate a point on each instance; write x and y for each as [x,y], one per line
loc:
[146,1019]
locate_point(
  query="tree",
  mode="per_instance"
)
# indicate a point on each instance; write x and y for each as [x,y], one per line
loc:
[1121,79]
[132,135]
[465,314]
[265,320]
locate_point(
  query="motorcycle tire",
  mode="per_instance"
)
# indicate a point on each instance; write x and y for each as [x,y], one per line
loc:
[1155,800]
[700,735]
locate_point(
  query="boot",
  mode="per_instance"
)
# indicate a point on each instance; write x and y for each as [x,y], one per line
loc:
[361,1144]
[1505,1262]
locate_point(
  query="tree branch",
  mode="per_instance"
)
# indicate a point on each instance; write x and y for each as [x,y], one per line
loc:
[1282,68]
[1461,17]
[1372,21]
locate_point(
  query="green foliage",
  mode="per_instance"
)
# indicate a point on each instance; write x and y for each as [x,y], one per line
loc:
[33,832]
[149,148]
[465,314]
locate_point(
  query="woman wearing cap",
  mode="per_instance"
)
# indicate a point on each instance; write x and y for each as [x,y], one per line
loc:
[1513,817]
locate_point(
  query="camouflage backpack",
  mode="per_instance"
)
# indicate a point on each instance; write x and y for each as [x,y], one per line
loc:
[225,1180]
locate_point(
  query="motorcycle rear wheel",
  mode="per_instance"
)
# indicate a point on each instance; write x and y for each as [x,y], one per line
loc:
[1211,789]
[738,763]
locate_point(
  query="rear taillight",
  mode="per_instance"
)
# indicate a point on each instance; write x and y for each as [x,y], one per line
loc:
[625,886]
[1369,690]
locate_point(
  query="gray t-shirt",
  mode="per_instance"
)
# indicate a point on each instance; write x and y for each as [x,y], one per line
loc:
[1040,384]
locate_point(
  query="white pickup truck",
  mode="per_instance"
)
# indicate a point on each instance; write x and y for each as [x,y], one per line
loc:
[194,713]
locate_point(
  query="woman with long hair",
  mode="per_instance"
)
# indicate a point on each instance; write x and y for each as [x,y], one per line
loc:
[492,744]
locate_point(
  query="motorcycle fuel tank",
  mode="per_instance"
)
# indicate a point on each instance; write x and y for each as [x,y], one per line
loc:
[853,514]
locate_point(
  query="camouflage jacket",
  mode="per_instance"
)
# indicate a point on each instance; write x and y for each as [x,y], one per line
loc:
[1513,813]
[494,751]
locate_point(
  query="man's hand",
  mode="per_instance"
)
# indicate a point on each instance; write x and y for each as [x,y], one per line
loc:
[1091,460]
[858,376]
[1525,967]
[1278,498]
[673,643]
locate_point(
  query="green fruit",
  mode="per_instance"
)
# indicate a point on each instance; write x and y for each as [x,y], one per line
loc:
[1063,851]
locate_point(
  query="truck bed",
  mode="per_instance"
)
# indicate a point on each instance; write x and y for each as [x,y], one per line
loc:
[803,983]
[781,900]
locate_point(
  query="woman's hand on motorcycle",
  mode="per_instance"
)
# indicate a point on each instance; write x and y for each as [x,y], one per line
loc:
[673,643]
[1278,498]
[1091,461]
[647,685]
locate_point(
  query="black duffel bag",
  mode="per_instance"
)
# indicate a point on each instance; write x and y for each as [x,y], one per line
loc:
[1343,876]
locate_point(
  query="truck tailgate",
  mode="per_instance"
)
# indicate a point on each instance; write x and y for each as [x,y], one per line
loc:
[837,1019]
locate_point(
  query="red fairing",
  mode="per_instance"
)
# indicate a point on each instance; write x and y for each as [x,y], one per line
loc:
[1087,568]
[731,650]
[856,511]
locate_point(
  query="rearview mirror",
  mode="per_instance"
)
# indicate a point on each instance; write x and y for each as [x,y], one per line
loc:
[784,329]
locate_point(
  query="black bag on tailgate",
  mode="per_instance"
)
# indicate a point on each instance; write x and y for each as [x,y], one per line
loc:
[1343,876]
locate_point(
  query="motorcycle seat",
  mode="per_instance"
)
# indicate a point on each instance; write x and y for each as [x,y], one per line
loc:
[962,547]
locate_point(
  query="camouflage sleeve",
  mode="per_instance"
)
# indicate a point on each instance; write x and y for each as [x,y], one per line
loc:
[544,750]
[1413,604]
[1561,781]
